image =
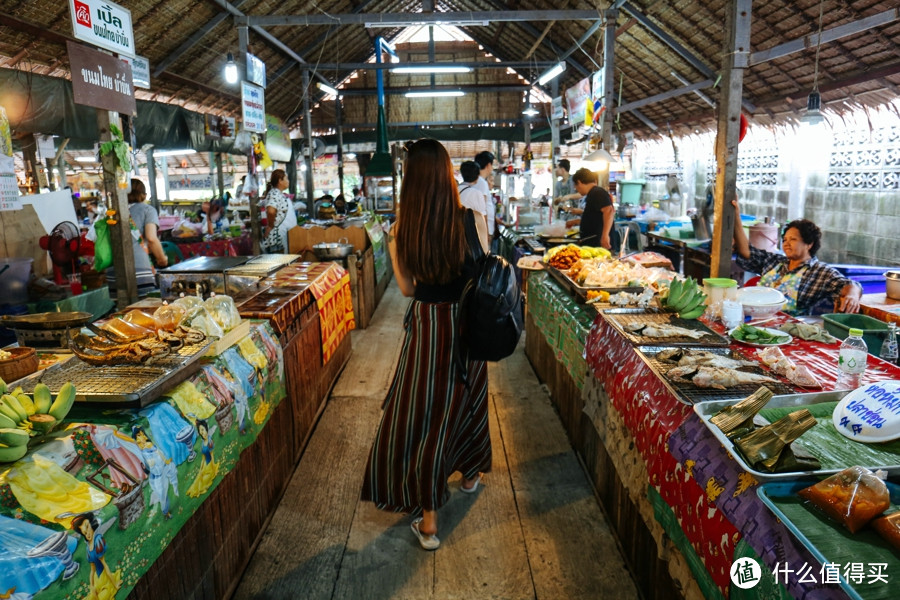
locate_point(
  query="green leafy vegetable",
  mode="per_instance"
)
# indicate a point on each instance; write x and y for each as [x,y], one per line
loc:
[118,146]
[749,333]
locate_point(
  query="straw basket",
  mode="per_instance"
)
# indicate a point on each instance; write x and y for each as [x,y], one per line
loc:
[130,503]
[23,362]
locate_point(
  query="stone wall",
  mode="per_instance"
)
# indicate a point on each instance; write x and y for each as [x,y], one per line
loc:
[846,178]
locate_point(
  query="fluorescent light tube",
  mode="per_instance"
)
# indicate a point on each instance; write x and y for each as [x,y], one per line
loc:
[174,152]
[328,89]
[427,70]
[435,94]
[85,159]
[552,72]
[530,111]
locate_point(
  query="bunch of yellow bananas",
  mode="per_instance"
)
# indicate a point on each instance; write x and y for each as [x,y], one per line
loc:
[23,416]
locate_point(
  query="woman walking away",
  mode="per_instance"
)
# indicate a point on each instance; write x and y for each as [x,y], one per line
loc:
[435,419]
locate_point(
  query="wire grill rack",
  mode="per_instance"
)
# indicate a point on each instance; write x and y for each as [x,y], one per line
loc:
[121,385]
[620,318]
[691,394]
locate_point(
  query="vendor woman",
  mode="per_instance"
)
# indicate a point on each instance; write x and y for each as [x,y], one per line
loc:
[797,273]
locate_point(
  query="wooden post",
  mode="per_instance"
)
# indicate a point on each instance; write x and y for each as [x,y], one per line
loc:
[555,150]
[609,87]
[737,51]
[339,117]
[120,233]
[151,179]
[308,155]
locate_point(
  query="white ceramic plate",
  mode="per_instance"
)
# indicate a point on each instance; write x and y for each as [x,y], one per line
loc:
[768,330]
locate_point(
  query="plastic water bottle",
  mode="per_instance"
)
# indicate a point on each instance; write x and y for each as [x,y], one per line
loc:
[889,347]
[852,360]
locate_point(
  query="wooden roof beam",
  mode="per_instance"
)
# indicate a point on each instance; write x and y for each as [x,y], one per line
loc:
[193,40]
[374,20]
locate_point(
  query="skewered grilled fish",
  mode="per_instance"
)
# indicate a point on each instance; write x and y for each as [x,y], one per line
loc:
[705,358]
[715,377]
[663,331]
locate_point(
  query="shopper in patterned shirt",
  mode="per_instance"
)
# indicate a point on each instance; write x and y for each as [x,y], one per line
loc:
[805,282]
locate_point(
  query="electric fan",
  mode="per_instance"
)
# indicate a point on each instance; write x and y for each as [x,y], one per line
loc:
[63,244]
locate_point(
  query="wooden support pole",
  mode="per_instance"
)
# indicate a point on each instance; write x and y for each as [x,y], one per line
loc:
[151,179]
[609,87]
[737,52]
[116,199]
[308,155]
[339,117]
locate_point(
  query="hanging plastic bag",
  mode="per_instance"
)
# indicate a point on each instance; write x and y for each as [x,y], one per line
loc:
[102,246]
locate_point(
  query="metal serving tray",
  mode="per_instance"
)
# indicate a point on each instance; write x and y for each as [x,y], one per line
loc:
[620,317]
[706,410]
[122,386]
[581,291]
[691,394]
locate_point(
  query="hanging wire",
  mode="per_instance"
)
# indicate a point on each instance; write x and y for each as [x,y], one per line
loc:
[818,47]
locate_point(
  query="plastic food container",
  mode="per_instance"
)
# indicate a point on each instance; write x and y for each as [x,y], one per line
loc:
[718,289]
[760,302]
[874,331]
[892,284]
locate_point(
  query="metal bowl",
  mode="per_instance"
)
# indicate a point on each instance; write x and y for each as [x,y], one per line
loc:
[332,250]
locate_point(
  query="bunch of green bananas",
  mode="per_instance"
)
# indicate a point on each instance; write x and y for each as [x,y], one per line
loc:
[23,416]
[685,298]
[594,252]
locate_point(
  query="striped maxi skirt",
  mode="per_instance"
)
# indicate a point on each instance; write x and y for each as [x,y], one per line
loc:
[432,423]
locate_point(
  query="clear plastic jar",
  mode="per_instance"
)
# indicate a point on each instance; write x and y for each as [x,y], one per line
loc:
[718,289]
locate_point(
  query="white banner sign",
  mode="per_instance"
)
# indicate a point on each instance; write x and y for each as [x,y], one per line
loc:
[256,70]
[140,71]
[253,107]
[197,182]
[103,24]
[556,109]
[9,186]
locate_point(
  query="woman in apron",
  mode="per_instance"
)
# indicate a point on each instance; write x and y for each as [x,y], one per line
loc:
[798,274]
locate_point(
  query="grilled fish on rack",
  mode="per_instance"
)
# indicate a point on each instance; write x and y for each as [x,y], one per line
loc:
[684,358]
[715,377]
[663,331]
[103,352]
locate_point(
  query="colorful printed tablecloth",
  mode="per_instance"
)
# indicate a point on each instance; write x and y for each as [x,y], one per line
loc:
[334,299]
[713,501]
[86,514]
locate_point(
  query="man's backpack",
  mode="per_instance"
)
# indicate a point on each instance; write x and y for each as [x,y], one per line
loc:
[491,304]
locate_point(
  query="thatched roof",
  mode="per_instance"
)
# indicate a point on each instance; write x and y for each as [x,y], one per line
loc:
[660,47]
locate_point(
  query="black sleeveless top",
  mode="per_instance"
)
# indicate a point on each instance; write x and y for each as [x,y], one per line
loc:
[451,291]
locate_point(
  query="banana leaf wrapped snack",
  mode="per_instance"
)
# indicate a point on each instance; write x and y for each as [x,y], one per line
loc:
[888,527]
[852,497]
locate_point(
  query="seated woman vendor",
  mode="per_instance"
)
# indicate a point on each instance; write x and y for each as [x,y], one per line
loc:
[797,273]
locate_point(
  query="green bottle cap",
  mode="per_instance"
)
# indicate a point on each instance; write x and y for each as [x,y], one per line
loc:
[858,332]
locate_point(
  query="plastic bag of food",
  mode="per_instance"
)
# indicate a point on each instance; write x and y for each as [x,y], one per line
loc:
[141,319]
[852,497]
[223,310]
[888,527]
[169,316]
[188,302]
[200,319]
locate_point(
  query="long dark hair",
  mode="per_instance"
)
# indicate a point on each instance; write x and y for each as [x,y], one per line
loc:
[138,191]
[430,230]
[277,176]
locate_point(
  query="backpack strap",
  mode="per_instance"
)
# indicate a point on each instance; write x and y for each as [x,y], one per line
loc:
[472,235]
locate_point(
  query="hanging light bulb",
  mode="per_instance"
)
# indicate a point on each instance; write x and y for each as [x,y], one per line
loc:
[231,70]
[530,111]
[813,114]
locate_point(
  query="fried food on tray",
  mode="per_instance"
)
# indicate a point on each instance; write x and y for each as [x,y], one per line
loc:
[852,497]
[683,357]
[661,330]
[715,377]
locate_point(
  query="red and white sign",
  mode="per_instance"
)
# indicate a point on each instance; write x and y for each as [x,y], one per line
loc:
[103,24]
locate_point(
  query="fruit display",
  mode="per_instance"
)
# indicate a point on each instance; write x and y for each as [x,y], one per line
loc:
[23,417]
[685,298]
[567,255]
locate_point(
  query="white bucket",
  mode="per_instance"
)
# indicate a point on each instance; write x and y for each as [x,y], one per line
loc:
[764,236]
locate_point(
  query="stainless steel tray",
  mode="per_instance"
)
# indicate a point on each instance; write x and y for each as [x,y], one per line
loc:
[120,385]
[705,410]
[688,393]
[581,291]
[620,317]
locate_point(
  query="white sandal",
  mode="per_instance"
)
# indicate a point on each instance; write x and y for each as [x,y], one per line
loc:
[428,542]
[474,487]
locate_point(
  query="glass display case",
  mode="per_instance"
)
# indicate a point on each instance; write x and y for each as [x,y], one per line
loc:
[380,193]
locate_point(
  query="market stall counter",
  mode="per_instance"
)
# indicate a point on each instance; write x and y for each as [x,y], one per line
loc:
[160,501]
[681,504]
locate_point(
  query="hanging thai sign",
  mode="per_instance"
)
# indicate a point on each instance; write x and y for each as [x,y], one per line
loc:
[101,80]
[278,139]
[202,181]
[556,109]
[140,71]
[576,100]
[597,93]
[9,185]
[256,71]
[103,24]
[253,107]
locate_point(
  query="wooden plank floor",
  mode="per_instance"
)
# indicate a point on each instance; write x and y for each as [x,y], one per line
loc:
[533,531]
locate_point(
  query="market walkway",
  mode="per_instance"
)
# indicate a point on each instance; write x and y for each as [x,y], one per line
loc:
[534,530]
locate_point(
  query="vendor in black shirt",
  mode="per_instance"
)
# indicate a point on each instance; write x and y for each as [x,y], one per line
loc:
[599,213]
